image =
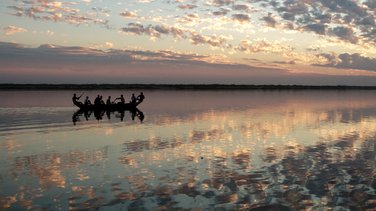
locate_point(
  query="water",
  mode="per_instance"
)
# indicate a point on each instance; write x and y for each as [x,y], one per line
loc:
[191,149]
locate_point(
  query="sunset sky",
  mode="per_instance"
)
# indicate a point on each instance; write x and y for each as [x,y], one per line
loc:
[308,42]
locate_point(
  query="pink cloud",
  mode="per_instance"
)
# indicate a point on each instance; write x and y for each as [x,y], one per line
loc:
[10,30]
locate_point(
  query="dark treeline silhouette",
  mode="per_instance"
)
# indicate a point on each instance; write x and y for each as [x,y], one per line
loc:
[177,87]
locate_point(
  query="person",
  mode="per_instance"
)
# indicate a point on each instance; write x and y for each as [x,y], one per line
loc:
[141,97]
[101,100]
[108,102]
[97,100]
[133,99]
[75,99]
[87,101]
[121,98]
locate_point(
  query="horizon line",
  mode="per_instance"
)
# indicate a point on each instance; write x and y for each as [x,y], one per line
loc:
[150,86]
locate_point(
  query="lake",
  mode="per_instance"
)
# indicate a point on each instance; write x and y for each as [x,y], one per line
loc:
[222,150]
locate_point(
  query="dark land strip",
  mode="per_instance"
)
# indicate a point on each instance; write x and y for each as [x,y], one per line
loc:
[176,87]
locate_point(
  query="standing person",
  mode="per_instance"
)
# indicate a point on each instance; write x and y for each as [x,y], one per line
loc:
[141,97]
[121,98]
[133,99]
[108,102]
[87,101]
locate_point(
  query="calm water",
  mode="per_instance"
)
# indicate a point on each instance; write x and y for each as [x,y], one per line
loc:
[190,149]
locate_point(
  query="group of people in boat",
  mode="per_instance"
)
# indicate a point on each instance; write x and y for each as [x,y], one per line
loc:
[99,100]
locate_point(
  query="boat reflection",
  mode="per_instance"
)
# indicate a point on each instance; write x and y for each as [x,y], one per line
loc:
[99,114]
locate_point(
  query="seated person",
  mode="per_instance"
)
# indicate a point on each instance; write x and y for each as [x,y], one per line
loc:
[108,102]
[75,99]
[87,101]
[141,97]
[121,98]
[133,99]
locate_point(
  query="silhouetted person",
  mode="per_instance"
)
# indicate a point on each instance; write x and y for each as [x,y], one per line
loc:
[121,98]
[87,101]
[141,97]
[108,102]
[133,99]
[101,100]
[97,100]
[75,99]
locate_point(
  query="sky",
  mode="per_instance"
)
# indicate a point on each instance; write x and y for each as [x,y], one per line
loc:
[303,42]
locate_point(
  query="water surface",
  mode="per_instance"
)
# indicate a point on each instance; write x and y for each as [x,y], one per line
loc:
[191,149]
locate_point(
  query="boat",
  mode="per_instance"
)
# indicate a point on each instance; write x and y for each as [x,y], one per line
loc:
[111,107]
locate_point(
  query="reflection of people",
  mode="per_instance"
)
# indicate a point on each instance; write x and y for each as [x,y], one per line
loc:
[133,114]
[75,118]
[99,113]
[121,115]
[108,113]
[75,99]
[141,97]
[87,115]
[140,115]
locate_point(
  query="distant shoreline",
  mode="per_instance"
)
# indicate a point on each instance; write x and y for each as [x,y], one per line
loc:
[176,87]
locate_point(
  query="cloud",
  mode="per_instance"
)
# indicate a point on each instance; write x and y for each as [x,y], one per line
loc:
[241,7]
[316,27]
[187,6]
[10,30]
[242,18]
[156,31]
[74,64]
[264,46]
[109,44]
[349,61]
[270,20]
[128,14]
[344,33]
[221,12]
[347,20]
[189,19]
[52,63]
[57,11]
[212,40]
[219,3]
